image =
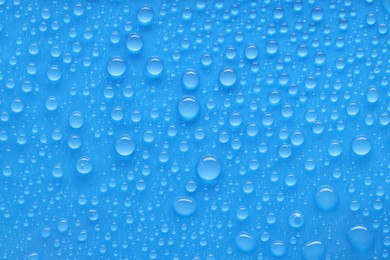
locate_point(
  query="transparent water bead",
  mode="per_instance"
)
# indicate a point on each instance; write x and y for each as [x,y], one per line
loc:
[116,66]
[209,168]
[184,206]
[125,145]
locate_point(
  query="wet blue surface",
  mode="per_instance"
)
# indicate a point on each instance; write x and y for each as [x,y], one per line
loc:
[194,129]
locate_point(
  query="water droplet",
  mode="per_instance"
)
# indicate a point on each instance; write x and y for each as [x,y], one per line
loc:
[360,238]
[84,165]
[317,14]
[335,149]
[209,168]
[82,236]
[116,66]
[134,43]
[245,242]
[76,120]
[278,248]
[361,146]
[313,251]
[242,213]
[326,198]
[190,79]
[93,214]
[145,14]
[54,73]
[188,108]
[57,171]
[17,105]
[154,66]
[125,145]
[63,225]
[228,77]
[184,206]
[296,219]
[251,51]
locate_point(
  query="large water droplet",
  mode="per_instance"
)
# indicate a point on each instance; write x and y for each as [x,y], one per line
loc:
[184,206]
[228,77]
[313,251]
[278,248]
[296,219]
[116,66]
[125,145]
[209,167]
[84,165]
[326,198]
[54,73]
[145,14]
[188,108]
[245,242]
[154,66]
[361,146]
[190,79]
[360,238]
[134,43]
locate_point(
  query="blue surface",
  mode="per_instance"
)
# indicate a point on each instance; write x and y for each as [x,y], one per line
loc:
[194,129]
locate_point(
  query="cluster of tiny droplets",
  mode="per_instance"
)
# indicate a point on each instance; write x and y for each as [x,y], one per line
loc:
[194,129]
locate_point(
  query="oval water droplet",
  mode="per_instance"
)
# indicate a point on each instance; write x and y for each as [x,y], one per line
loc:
[245,242]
